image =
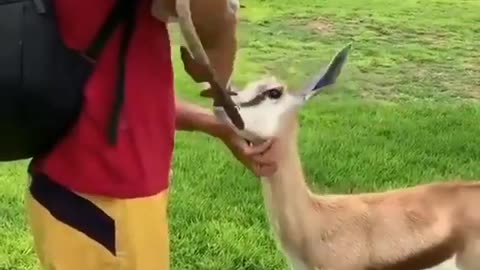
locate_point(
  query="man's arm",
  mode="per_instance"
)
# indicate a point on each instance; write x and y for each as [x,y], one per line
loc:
[259,159]
[192,117]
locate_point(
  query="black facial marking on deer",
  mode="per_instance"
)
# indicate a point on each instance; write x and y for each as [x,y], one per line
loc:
[253,102]
[264,92]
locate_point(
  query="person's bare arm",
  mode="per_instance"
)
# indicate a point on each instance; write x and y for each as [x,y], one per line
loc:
[192,117]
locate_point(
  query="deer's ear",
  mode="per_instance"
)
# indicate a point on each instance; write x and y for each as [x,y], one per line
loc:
[330,76]
[334,68]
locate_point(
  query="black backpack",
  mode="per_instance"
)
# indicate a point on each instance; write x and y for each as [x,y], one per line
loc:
[42,81]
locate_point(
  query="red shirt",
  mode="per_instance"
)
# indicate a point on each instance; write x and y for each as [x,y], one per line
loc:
[139,164]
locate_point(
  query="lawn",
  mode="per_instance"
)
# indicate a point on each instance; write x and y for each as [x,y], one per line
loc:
[405,111]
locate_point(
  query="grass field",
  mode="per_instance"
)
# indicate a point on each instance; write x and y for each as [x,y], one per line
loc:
[405,111]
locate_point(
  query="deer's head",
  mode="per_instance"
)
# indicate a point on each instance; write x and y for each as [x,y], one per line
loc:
[266,105]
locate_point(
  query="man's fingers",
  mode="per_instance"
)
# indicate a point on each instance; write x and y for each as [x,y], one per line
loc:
[259,158]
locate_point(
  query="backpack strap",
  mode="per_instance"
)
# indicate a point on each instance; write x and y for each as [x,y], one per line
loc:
[124,11]
[117,15]
[130,23]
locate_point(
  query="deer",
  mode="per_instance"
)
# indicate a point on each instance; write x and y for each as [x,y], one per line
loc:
[433,226]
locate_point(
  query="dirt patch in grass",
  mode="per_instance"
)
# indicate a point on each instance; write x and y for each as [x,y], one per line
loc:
[321,25]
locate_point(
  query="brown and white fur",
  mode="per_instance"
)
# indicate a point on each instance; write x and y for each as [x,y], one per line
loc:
[432,226]
[209,28]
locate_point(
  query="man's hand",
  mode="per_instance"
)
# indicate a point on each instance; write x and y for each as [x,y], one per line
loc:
[260,159]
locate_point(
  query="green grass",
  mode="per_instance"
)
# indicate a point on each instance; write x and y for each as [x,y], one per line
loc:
[405,111]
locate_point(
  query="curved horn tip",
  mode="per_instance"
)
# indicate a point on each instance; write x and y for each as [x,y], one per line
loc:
[343,52]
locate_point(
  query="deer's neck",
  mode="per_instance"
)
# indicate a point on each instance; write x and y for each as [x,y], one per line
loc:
[286,193]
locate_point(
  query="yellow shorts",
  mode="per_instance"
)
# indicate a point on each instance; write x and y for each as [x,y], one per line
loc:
[74,231]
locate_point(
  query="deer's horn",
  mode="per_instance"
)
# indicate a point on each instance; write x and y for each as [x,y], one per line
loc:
[199,66]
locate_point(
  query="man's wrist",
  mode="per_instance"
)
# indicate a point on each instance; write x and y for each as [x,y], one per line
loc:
[212,126]
[191,117]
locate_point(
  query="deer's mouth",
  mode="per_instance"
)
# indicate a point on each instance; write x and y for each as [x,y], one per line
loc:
[245,133]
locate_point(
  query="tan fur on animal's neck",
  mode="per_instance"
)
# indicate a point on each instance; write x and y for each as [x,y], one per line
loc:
[405,229]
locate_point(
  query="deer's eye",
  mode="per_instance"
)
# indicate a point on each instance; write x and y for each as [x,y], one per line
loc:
[274,93]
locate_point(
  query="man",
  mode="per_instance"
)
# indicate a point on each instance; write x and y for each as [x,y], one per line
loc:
[96,206]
